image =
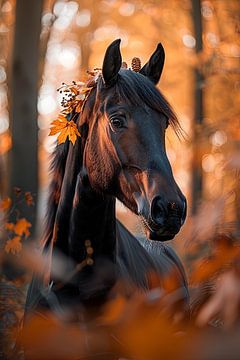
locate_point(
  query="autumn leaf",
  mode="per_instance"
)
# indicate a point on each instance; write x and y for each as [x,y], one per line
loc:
[5,204]
[10,226]
[73,132]
[17,191]
[78,107]
[114,309]
[14,245]
[206,268]
[74,90]
[65,128]
[22,227]
[58,125]
[85,90]
[28,198]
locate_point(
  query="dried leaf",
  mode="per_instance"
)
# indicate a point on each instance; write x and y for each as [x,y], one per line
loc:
[58,125]
[66,129]
[17,191]
[114,310]
[79,106]
[91,73]
[22,227]
[74,90]
[10,226]
[62,137]
[14,245]
[28,198]
[207,268]
[5,204]
[85,90]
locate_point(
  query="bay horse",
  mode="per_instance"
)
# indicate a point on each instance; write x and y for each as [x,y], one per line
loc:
[120,155]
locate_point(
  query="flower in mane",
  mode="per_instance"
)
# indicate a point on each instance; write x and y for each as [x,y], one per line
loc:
[74,96]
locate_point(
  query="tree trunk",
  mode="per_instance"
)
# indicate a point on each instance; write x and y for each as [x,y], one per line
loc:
[23,110]
[198,111]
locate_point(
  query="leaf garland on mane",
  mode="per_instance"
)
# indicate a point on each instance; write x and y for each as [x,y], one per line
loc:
[72,102]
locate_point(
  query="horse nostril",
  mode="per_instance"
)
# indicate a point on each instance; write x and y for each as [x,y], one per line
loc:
[173,209]
[177,211]
[158,212]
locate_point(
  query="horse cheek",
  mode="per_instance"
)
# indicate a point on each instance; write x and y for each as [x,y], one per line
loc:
[100,167]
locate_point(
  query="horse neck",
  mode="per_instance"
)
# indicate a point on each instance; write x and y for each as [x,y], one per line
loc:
[92,218]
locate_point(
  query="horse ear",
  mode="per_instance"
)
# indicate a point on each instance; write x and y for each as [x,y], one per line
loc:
[153,68]
[112,63]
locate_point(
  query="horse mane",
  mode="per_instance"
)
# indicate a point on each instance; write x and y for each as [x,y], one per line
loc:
[57,169]
[65,158]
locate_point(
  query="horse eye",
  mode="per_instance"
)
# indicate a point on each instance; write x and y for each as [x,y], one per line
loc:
[117,123]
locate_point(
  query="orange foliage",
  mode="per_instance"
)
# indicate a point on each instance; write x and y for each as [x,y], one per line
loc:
[28,198]
[224,256]
[14,245]
[19,229]
[75,95]
[65,128]
[113,310]
[5,204]
[5,143]
[9,226]
[22,227]
[133,328]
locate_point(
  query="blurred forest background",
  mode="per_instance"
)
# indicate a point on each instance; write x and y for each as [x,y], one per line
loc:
[46,42]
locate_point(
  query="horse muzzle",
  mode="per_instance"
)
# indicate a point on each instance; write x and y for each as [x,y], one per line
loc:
[163,219]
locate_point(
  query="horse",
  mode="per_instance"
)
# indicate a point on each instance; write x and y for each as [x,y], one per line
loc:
[120,155]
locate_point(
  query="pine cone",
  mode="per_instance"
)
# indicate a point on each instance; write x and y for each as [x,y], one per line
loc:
[136,64]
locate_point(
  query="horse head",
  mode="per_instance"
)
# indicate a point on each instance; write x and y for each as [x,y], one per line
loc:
[126,118]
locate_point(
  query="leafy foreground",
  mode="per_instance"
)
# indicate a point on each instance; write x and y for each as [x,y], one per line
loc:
[131,325]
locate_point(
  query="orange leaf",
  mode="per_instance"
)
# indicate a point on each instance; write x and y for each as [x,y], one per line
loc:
[10,226]
[62,137]
[73,132]
[58,125]
[22,227]
[5,204]
[114,309]
[85,90]
[14,245]
[67,110]
[65,128]
[207,268]
[78,107]
[29,198]
[74,90]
